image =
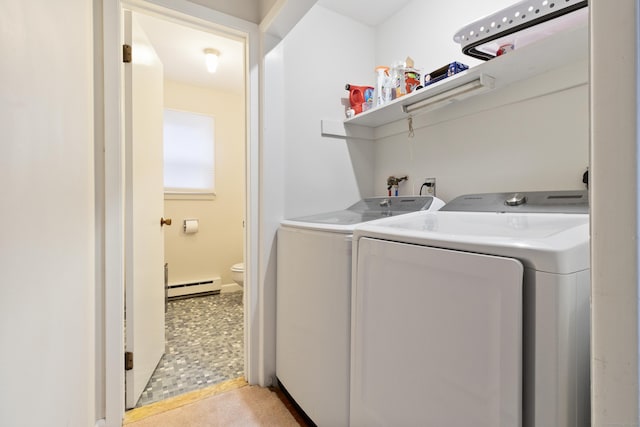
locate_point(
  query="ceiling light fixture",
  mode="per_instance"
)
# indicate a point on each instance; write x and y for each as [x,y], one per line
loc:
[211,58]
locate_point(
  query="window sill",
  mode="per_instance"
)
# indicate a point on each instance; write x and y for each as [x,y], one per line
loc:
[189,196]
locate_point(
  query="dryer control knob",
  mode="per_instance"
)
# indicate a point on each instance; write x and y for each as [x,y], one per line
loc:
[516,200]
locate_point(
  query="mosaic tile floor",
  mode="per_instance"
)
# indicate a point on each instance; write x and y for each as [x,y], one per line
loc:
[204,346]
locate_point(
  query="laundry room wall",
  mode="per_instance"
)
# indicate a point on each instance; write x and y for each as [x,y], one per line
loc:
[428,30]
[517,145]
[48,254]
[528,136]
[218,244]
[322,53]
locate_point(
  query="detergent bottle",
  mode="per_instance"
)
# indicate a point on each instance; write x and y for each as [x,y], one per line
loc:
[360,97]
[411,76]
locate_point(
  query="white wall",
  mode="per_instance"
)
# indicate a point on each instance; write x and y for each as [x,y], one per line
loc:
[614,213]
[47,307]
[264,6]
[424,30]
[537,144]
[218,244]
[321,54]
[272,203]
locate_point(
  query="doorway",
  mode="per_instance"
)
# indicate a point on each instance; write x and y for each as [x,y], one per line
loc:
[110,385]
[204,332]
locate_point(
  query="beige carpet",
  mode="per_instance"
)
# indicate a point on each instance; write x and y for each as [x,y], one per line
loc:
[243,406]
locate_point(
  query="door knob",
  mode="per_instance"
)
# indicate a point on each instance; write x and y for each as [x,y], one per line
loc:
[164,221]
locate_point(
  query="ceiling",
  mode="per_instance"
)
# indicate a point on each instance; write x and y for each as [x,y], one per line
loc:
[180,48]
[369,12]
[181,51]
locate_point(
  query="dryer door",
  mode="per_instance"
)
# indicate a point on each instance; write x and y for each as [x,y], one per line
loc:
[436,337]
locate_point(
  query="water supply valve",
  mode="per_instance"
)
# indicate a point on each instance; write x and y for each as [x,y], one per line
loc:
[393,182]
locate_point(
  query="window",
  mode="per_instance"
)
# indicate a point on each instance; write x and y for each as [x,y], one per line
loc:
[189,142]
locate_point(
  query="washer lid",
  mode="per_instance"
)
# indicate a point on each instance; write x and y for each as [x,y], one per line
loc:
[555,243]
[369,209]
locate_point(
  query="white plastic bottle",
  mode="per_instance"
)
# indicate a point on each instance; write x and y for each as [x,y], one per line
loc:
[381,82]
[397,77]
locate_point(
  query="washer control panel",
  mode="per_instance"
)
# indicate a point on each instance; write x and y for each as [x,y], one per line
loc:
[523,201]
[516,200]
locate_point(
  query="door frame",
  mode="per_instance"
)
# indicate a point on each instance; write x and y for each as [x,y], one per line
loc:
[197,16]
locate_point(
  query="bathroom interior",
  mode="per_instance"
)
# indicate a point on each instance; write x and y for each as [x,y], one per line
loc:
[204,246]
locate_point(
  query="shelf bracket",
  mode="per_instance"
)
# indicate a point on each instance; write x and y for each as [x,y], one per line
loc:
[341,130]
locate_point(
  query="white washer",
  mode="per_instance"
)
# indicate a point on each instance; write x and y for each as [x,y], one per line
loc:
[475,315]
[314,303]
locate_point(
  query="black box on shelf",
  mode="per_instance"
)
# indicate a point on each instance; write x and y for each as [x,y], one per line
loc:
[444,72]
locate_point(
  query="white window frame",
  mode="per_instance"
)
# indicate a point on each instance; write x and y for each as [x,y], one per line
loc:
[177,193]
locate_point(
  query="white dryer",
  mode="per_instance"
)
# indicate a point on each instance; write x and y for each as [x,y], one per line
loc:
[475,315]
[313,298]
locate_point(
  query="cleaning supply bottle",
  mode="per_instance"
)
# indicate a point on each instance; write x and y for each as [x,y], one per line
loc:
[388,90]
[359,96]
[381,80]
[411,76]
[397,78]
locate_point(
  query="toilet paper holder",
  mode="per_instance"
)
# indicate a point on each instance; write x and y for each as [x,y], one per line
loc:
[190,226]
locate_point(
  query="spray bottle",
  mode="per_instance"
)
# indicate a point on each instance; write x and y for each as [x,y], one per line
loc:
[381,81]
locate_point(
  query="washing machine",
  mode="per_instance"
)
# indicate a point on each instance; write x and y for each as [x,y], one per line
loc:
[475,315]
[313,298]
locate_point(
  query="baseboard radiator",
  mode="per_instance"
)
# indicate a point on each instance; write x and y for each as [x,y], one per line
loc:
[185,290]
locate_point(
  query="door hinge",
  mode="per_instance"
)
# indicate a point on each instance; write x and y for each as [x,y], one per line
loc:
[126,53]
[128,361]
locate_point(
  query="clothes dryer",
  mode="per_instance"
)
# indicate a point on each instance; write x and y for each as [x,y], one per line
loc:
[313,300]
[475,315]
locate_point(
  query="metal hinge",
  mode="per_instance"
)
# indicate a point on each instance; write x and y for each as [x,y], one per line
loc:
[126,53]
[128,361]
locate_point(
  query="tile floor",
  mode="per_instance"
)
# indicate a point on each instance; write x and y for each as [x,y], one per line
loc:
[204,346]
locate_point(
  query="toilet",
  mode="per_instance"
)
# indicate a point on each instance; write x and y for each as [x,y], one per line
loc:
[237,273]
